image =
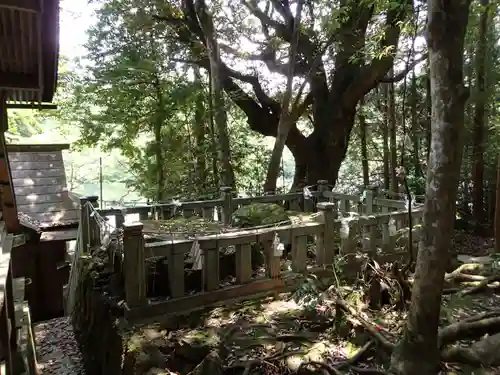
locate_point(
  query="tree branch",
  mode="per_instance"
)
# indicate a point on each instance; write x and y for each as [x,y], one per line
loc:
[401,75]
[372,73]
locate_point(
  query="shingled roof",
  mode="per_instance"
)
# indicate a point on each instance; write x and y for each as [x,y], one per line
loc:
[39,180]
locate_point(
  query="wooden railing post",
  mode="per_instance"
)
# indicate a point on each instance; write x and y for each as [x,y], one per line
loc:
[94,228]
[307,203]
[144,214]
[326,252]
[369,194]
[134,264]
[84,224]
[273,263]
[227,204]
[322,187]
[120,219]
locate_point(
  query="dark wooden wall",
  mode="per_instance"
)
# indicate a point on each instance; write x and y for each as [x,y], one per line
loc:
[41,263]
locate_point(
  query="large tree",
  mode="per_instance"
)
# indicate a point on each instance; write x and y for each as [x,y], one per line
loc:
[418,352]
[345,48]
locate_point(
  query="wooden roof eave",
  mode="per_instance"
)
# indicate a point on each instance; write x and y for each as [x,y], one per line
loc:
[29,50]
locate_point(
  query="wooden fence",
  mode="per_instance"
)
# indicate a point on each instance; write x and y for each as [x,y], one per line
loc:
[21,358]
[368,203]
[332,233]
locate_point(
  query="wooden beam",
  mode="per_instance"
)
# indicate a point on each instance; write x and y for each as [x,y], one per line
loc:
[32,6]
[40,106]
[9,199]
[19,81]
[42,147]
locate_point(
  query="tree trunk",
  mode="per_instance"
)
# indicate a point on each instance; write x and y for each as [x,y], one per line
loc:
[385,137]
[285,122]
[417,352]
[333,92]
[327,147]
[160,177]
[428,104]
[157,128]
[479,118]
[213,137]
[199,130]
[415,133]
[391,118]
[364,149]
[220,117]
[497,209]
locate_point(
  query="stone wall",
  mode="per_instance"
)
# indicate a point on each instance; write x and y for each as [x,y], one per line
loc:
[96,316]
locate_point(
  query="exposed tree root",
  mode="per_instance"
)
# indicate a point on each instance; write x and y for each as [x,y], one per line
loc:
[460,354]
[473,327]
[348,364]
[369,327]
[469,330]
[464,269]
[481,287]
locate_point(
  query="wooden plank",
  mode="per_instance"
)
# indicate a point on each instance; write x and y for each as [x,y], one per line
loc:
[8,197]
[39,199]
[400,205]
[211,268]
[299,253]
[17,157]
[47,207]
[18,286]
[45,147]
[134,264]
[30,173]
[203,300]
[59,235]
[32,106]
[34,181]
[161,248]
[243,263]
[6,245]
[36,165]
[28,347]
[40,190]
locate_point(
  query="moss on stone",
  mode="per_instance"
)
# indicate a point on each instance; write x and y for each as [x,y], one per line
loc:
[256,214]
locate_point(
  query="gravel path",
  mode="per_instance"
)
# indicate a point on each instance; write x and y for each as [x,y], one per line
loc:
[58,352]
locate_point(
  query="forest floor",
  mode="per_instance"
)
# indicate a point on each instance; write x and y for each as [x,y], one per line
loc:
[330,331]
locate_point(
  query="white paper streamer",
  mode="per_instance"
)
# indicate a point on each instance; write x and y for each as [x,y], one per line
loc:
[278,246]
[177,203]
[392,227]
[307,193]
[196,256]
[344,229]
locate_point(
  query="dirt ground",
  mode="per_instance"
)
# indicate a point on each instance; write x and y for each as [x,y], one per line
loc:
[304,332]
